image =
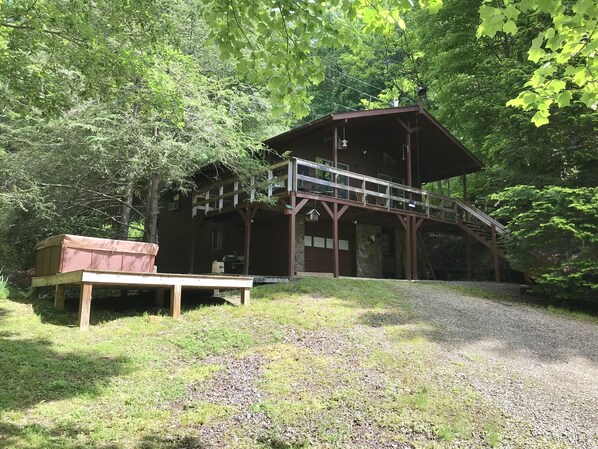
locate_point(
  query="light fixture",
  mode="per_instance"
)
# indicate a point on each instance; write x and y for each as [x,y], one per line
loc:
[344,143]
[421,91]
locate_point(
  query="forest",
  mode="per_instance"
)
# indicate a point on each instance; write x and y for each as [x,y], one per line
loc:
[107,105]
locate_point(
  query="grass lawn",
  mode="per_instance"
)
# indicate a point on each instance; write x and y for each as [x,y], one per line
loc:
[315,363]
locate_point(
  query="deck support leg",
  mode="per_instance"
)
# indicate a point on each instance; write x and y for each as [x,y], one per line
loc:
[175,301]
[336,260]
[245,296]
[408,248]
[414,274]
[59,297]
[247,216]
[159,297]
[335,216]
[292,234]
[34,293]
[85,306]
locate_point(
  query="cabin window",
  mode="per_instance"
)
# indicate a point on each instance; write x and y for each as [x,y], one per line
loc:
[327,243]
[216,239]
[174,202]
[319,242]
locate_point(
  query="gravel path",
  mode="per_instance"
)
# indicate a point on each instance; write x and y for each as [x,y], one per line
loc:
[538,368]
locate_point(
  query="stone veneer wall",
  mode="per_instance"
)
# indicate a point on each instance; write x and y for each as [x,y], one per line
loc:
[368,252]
[300,243]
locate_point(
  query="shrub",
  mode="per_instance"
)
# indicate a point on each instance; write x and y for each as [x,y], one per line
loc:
[553,237]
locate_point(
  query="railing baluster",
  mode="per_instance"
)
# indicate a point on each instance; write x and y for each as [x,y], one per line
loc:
[252,191]
[236,195]
[269,183]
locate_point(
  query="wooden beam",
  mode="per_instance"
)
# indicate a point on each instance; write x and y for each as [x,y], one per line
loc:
[292,234]
[328,210]
[85,306]
[414,273]
[418,222]
[300,205]
[342,211]
[402,220]
[408,247]
[245,296]
[59,296]
[335,255]
[175,301]
[248,217]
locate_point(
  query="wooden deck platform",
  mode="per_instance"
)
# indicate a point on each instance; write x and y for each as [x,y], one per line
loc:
[87,279]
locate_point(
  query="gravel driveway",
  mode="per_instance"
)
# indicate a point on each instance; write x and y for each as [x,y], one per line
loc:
[539,369]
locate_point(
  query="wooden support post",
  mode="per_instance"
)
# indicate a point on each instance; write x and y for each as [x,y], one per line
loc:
[85,306]
[292,234]
[59,296]
[248,217]
[175,301]
[495,254]
[247,245]
[336,259]
[160,297]
[408,248]
[34,293]
[414,274]
[245,296]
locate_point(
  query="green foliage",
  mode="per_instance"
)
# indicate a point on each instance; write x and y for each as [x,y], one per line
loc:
[278,42]
[564,52]
[553,237]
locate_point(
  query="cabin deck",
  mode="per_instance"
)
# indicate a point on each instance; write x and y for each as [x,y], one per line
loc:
[87,279]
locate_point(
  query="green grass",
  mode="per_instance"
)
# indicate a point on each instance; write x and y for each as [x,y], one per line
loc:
[323,363]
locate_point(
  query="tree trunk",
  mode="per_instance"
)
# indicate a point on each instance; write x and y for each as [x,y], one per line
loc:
[125,214]
[151,216]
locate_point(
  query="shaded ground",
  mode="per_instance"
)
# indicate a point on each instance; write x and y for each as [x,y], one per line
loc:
[535,366]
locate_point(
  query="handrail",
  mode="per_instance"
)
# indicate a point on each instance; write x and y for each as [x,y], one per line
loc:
[481,216]
[398,197]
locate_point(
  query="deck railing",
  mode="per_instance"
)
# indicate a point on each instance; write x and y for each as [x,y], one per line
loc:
[315,179]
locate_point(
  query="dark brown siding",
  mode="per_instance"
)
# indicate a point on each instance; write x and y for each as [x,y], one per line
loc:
[175,234]
[320,260]
[269,245]
[365,152]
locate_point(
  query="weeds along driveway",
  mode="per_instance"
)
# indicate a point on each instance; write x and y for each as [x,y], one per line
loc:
[535,366]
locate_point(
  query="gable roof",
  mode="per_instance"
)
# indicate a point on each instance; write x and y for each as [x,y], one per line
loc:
[441,154]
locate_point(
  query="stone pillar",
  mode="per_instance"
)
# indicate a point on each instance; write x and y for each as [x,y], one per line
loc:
[368,250]
[300,243]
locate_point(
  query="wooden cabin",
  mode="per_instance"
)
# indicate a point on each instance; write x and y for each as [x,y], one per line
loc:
[348,201]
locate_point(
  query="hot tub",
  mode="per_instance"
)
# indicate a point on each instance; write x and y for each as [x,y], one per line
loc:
[63,253]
